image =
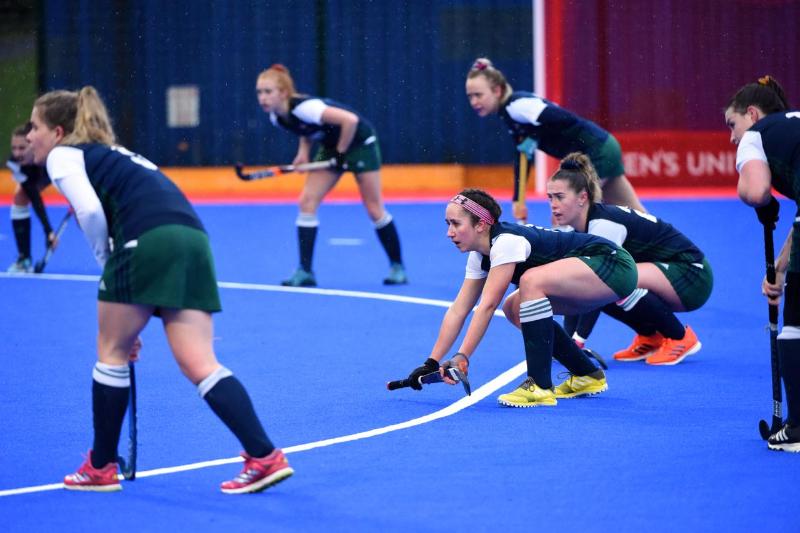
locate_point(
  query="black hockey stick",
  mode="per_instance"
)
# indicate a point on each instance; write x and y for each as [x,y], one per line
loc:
[777,420]
[271,172]
[434,377]
[42,263]
[128,466]
[597,357]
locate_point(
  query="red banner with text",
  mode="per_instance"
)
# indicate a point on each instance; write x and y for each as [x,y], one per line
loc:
[678,158]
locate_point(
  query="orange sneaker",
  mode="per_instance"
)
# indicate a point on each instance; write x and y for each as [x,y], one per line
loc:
[674,351]
[640,348]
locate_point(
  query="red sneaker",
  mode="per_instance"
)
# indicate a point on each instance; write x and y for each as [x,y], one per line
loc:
[259,473]
[93,479]
[640,348]
[674,351]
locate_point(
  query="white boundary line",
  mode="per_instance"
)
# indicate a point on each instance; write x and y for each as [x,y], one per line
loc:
[482,392]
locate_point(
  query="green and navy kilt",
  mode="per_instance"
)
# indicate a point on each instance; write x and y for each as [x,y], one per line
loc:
[692,282]
[614,266]
[361,158]
[169,266]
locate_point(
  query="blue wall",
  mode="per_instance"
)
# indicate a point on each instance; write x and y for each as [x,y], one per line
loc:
[401,64]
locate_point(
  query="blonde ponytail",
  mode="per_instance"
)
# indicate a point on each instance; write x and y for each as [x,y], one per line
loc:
[92,124]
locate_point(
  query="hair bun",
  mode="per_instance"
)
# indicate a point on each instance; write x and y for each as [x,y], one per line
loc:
[279,67]
[571,164]
[481,64]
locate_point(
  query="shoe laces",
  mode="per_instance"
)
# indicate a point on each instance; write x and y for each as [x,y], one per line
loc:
[528,384]
[673,347]
[567,376]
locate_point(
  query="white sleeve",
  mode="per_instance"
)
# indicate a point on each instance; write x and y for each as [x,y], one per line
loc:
[526,110]
[613,231]
[750,148]
[509,248]
[67,170]
[16,171]
[310,111]
[474,270]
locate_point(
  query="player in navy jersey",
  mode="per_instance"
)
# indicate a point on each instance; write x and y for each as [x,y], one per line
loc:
[674,275]
[535,122]
[156,260]
[557,272]
[767,134]
[30,181]
[340,133]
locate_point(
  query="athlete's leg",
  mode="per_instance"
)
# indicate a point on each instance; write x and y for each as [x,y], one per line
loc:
[789,347]
[317,185]
[190,334]
[21,224]
[369,185]
[118,328]
[619,191]
[564,286]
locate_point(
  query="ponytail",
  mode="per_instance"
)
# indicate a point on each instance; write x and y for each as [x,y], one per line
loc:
[82,115]
[577,169]
[765,94]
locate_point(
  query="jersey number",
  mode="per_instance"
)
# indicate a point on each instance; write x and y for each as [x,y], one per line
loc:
[646,216]
[136,158]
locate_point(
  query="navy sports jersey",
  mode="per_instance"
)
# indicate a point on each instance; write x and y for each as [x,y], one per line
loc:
[28,173]
[546,246]
[556,130]
[775,139]
[134,194]
[305,119]
[648,239]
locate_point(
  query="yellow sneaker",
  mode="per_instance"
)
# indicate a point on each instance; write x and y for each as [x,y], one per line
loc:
[528,394]
[575,386]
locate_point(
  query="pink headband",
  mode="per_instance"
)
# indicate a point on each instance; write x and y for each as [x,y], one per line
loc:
[473,207]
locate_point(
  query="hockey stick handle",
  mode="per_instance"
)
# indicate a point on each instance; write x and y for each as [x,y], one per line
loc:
[398,384]
[777,396]
[129,467]
[769,257]
[39,267]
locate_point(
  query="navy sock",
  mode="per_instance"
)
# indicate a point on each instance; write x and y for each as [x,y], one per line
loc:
[789,356]
[586,323]
[306,237]
[109,403]
[536,323]
[35,197]
[22,234]
[571,324]
[230,402]
[566,352]
[650,315]
[387,234]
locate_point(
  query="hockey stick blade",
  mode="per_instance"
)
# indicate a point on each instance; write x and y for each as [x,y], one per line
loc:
[763,428]
[597,357]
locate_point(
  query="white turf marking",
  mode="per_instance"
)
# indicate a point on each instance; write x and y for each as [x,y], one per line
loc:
[345,241]
[479,394]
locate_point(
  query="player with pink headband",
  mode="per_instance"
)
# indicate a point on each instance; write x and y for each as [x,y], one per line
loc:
[557,272]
